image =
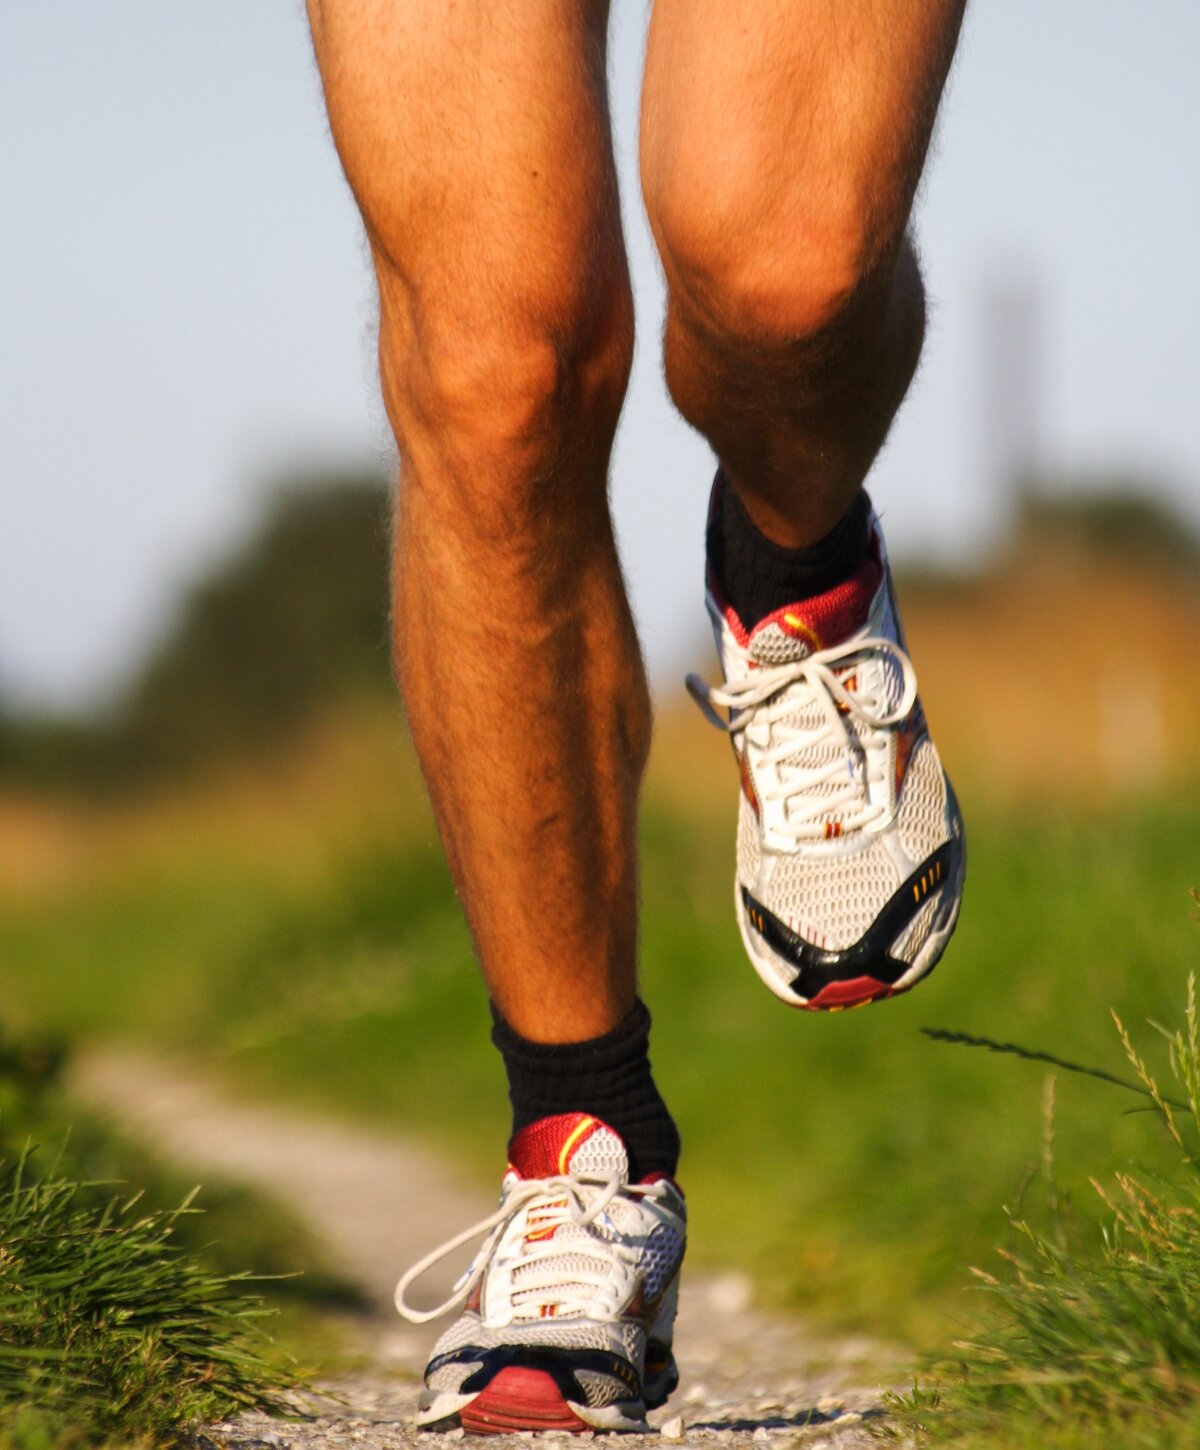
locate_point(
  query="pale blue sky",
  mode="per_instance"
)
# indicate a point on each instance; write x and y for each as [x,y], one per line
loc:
[186,310]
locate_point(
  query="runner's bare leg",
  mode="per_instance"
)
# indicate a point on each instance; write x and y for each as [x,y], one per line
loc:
[475,137]
[782,144]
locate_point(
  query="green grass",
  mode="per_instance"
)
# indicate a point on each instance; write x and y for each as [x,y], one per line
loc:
[1088,1333]
[111,1328]
[854,1165]
[127,1312]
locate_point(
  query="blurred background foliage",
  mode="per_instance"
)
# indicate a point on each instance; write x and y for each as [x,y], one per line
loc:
[268,640]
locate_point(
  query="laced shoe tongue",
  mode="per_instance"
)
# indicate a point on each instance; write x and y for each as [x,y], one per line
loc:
[798,630]
[569,1143]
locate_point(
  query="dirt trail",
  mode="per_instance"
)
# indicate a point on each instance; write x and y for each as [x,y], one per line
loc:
[381,1202]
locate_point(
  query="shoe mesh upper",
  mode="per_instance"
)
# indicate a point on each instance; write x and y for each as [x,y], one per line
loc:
[600,1155]
[749,850]
[660,1259]
[771,645]
[566,1264]
[922,817]
[831,900]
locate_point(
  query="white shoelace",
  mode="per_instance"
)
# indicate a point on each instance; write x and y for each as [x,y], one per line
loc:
[572,1200]
[813,794]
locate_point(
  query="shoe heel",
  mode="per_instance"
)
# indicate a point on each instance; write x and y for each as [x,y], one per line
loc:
[520,1399]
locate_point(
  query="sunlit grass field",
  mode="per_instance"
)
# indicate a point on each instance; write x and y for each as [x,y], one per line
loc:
[294,927]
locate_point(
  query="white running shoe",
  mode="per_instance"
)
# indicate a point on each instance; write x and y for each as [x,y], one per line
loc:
[851,855]
[569,1306]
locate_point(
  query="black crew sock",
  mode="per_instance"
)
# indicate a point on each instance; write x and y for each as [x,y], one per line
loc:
[758,576]
[608,1077]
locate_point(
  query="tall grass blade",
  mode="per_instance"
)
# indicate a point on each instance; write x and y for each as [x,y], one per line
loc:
[1029,1054]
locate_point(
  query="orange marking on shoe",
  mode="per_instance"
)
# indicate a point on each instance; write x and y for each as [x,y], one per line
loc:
[581,1129]
[747,780]
[806,631]
[908,737]
[538,1233]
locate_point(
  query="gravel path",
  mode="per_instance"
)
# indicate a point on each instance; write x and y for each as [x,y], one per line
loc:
[747,1378]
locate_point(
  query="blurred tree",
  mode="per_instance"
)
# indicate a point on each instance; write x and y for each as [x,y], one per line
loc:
[295,620]
[1107,518]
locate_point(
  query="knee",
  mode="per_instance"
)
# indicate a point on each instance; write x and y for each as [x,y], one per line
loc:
[488,401]
[752,261]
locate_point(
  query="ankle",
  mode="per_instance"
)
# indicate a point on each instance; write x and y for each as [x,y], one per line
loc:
[757,577]
[608,1077]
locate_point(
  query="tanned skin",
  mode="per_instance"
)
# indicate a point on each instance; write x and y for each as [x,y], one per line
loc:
[782,142]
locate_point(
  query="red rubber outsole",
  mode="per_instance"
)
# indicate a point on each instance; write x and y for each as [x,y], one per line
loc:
[520,1399]
[856,992]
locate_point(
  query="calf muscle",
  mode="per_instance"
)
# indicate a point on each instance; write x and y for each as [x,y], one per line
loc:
[475,139]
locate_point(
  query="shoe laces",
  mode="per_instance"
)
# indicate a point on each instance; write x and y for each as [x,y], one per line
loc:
[570,1277]
[824,761]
